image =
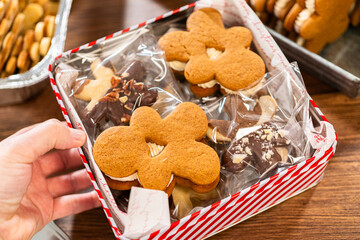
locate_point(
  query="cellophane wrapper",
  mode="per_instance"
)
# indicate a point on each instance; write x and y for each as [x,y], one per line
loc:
[280,94]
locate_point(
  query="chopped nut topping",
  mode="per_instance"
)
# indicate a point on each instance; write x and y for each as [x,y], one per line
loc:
[269,136]
[129,106]
[115,81]
[248,151]
[238,158]
[276,135]
[260,148]
[123,99]
[138,86]
[267,131]
[113,96]
[126,85]
[131,83]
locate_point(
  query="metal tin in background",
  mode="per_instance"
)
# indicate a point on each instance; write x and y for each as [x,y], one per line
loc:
[344,50]
[20,87]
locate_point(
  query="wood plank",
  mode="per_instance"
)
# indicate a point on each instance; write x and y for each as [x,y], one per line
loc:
[331,210]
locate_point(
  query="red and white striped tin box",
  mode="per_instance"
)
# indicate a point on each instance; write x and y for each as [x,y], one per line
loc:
[242,205]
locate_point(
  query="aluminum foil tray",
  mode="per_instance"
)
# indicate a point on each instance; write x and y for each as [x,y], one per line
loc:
[20,87]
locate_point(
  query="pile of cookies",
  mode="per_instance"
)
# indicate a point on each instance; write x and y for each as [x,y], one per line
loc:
[136,144]
[26,30]
[310,23]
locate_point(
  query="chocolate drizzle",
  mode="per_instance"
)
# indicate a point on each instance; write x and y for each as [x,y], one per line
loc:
[257,148]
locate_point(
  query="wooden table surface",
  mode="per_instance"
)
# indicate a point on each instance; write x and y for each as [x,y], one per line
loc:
[331,210]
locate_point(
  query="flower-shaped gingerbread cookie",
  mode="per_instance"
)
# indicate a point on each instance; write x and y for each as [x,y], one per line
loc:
[153,152]
[212,55]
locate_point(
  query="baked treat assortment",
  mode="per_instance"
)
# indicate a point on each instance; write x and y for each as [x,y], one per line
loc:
[176,143]
[251,138]
[26,30]
[311,23]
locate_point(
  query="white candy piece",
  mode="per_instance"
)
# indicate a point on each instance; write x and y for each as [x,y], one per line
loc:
[148,211]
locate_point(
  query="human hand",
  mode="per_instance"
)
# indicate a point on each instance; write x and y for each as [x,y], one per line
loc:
[30,196]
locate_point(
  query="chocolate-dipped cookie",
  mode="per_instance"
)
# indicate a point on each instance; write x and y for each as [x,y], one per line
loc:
[117,105]
[126,93]
[132,70]
[260,146]
[243,115]
[250,113]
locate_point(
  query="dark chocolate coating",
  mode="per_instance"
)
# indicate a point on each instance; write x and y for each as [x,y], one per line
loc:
[240,112]
[257,149]
[119,103]
[133,70]
[125,95]
[224,127]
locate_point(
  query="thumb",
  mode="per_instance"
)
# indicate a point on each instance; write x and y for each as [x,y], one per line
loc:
[51,134]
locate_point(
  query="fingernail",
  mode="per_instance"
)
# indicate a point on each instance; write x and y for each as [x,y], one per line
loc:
[78,135]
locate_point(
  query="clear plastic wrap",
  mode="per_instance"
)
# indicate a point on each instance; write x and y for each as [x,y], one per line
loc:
[249,118]
[134,56]
[257,132]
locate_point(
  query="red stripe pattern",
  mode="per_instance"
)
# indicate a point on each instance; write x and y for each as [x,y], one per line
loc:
[231,210]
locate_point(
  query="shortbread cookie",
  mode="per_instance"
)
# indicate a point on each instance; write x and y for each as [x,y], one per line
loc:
[212,55]
[93,90]
[44,46]
[17,46]
[156,151]
[33,12]
[260,146]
